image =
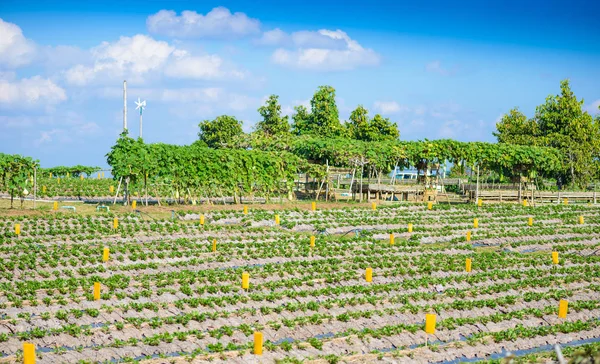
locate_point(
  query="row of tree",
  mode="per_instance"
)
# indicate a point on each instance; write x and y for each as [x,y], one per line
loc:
[322,120]
[15,171]
[560,123]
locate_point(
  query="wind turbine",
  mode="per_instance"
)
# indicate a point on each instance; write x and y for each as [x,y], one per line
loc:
[141,105]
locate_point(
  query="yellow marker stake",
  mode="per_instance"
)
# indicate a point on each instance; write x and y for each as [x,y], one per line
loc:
[50,174]
[214,245]
[430,323]
[44,189]
[475,223]
[530,221]
[28,353]
[314,206]
[525,204]
[276,219]
[115,223]
[373,206]
[55,206]
[202,219]
[469,235]
[81,177]
[410,228]
[480,202]
[134,204]
[18,229]
[258,343]
[566,201]
[554,257]
[245,280]
[245,210]
[468,265]
[58,179]
[392,239]
[105,254]
[111,189]
[563,307]
[369,275]
[429,205]
[312,241]
[96,291]
[581,220]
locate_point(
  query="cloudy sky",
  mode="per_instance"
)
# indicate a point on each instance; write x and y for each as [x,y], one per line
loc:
[439,71]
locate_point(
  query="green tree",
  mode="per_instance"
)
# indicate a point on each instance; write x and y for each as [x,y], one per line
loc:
[359,127]
[272,123]
[325,119]
[564,125]
[301,120]
[516,128]
[383,129]
[220,132]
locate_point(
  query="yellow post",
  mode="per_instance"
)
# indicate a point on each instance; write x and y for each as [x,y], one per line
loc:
[554,257]
[429,205]
[430,323]
[28,353]
[392,239]
[410,227]
[58,180]
[214,245]
[468,265]
[258,343]
[50,174]
[115,223]
[68,175]
[314,206]
[81,177]
[111,189]
[530,221]
[312,241]
[55,206]
[475,223]
[563,307]
[469,235]
[105,254]
[134,204]
[18,229]
[277,220]
[245,210]
[479,202]
[373,206]
[566,201]
[581,220]
[369,275]
[245,280]
[525,204]
[96,291]
[44,189]
[202,219]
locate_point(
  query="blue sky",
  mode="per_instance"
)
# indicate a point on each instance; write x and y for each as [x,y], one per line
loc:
[438,70]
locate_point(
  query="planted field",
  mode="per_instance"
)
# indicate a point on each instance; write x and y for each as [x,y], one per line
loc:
[173,288]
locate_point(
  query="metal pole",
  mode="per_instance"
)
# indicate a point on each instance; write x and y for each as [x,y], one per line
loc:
[140,122]
[34,185]
[124,105]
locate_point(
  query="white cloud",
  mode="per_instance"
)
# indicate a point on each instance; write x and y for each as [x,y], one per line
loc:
[218,23]
[140,59]
[436,67]
[15,49]
[593,108]
[325,50]
[30,92]
[389,107]
[274,37]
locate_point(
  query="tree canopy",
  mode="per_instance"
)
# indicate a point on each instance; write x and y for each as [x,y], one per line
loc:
[272,122]
[220,132]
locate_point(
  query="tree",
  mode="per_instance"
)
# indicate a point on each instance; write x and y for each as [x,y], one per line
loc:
[301,120]
[515,128]
[272,123]
[383,129]
[220,132]
[325,119]
[376,129]
[564,125]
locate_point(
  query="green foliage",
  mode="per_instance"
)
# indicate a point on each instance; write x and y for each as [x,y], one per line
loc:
[272,123]
[323,120]
[220,132]
[559,123]
[14,173]
[301,120]
[73,171]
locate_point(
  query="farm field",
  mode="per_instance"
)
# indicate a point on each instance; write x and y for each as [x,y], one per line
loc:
[171,289]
